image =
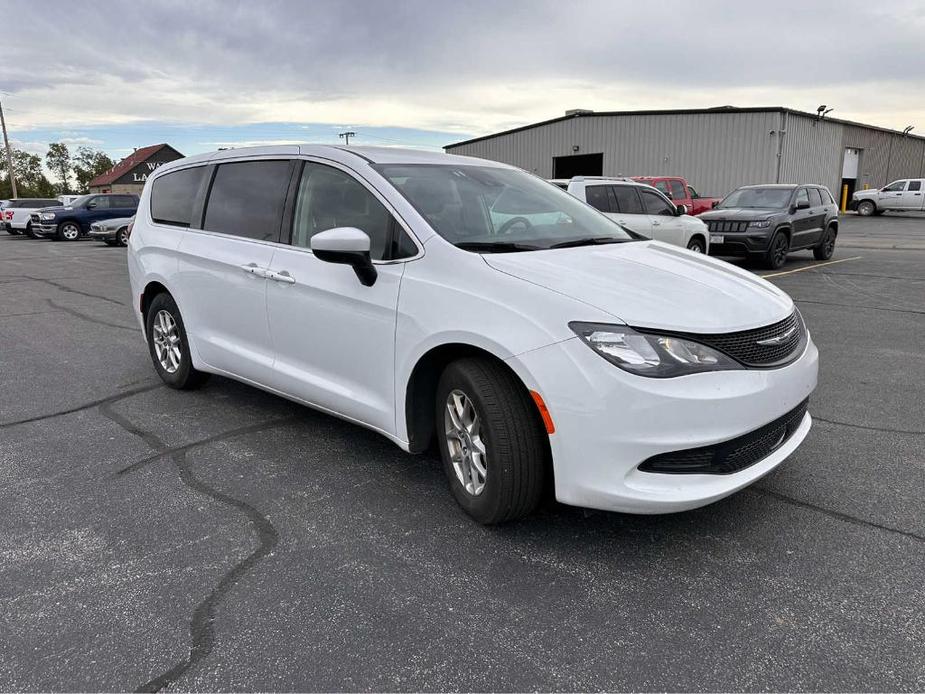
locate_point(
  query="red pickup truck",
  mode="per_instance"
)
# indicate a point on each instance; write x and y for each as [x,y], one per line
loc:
[680,193]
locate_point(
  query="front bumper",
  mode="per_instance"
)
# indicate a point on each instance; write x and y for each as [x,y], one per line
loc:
[741,243]
[44,229]
[103,234]
[608,422]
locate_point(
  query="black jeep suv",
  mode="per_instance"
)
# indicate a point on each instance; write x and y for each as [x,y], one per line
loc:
[768,221]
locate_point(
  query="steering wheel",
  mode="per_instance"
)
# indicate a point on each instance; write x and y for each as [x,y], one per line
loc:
[506,227]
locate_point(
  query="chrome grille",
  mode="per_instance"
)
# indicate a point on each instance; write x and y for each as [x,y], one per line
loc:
[719,226]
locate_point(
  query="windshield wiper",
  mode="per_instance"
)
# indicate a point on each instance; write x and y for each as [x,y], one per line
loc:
[496,246]
[590,241]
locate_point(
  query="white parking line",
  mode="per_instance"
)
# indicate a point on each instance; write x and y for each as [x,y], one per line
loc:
[811,267]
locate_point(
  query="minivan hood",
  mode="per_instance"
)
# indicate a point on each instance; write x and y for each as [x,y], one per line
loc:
[650,284]
[741,214]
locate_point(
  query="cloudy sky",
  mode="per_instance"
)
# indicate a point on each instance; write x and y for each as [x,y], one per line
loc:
[205,74]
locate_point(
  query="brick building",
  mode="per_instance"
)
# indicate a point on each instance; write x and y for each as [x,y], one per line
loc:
[130,174]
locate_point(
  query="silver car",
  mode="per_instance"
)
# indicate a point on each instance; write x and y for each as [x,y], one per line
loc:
[112,232]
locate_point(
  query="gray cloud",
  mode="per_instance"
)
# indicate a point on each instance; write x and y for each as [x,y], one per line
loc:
[464,66]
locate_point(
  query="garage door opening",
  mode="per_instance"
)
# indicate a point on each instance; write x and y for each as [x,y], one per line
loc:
[849,175]
[578,165]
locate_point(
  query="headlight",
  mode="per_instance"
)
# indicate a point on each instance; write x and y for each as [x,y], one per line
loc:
[656,356]
[47,216]
[762,224]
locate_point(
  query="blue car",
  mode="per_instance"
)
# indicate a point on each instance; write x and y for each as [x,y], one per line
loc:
[72,221]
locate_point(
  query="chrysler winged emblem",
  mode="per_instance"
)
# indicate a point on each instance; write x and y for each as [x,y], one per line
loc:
[778,339]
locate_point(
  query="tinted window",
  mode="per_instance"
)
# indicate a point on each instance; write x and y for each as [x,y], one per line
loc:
[329,198]
[598,198]
[815,199]
[802,197]
[31,203]
[694,193]
[827,198]
[627,200]
[247,199]
[173,196]
[677,190]
[124,201]
[655,204]
[915,185]
[100,202]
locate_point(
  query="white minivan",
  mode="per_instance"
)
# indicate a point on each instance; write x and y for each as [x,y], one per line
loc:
[432,297]
[641,208]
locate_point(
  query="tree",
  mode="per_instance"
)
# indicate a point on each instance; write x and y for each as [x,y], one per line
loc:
[30,180]
[88,164]
[59,162]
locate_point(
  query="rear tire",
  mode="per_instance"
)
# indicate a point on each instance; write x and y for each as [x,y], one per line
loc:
[169,345]
[866,208]
[776,255]
[696,245]
[495,450]
[11,231]
[826,247]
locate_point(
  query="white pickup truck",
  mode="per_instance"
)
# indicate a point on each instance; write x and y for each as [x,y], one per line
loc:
[905,195]
[16,213]
[640,208]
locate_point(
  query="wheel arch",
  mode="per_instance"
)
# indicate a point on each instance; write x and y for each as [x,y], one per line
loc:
[151,290]
[420,390]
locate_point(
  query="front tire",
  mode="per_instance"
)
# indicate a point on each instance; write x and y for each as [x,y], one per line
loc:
[68,231]
[696,245]
[776,255]
[28,232]
[169,346]
[826,247]
[122,237]
[495,451]
[866,208]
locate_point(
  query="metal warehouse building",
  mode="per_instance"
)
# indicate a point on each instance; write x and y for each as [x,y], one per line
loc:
[715,149]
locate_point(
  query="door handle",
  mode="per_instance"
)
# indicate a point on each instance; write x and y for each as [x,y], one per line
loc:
[254,269]
[281,276]
[656,223]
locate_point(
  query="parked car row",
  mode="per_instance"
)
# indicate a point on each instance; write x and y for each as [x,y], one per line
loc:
[763,223]
[103,216]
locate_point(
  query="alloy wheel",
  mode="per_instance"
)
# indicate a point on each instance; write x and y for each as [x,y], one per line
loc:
[70,232]
[779,251]
[464,442]
[166,337]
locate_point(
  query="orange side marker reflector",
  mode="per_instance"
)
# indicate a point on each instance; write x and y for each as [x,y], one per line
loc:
[544,412]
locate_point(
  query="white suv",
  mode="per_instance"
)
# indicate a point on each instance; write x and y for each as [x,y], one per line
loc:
[429,296]
[640,208]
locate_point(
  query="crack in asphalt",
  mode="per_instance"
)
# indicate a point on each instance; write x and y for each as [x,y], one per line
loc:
[885,430]
[202,633]
[834,514]
[71,290]
[91,319]
[85,406]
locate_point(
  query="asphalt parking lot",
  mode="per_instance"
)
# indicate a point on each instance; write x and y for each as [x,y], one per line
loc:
[226,539]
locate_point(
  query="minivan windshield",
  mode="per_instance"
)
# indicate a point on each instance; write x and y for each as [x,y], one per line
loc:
[767,198]
[496,210]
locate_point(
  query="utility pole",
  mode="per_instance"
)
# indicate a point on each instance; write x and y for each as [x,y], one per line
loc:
[9,154]
[346,136]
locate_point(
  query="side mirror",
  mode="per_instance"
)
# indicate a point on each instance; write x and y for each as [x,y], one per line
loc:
[91,205]
[802,205]
[714,204]
[681,209]
[346,246]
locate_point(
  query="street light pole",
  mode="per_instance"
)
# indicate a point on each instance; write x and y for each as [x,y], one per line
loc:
[9,154]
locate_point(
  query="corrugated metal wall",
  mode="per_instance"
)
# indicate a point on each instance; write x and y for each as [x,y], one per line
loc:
[716,152]
[885,156]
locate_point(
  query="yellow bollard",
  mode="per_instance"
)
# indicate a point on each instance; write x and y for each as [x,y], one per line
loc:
[844,198]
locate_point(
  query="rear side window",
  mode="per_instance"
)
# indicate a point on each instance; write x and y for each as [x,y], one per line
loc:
[173,196]
[124,201]
[915,185]
[598,198]
[815,199]
[655,204]
[329,198]
[677,190]
[827,198]
[627,200]
[31,203]
[247,199]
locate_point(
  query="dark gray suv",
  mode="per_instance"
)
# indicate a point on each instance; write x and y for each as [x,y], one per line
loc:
[766,222]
